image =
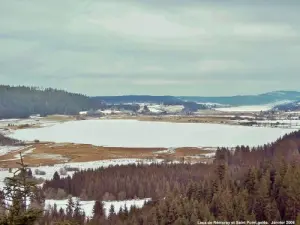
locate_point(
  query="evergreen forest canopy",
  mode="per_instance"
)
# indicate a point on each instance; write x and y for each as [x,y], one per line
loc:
[21,102]
[258,184]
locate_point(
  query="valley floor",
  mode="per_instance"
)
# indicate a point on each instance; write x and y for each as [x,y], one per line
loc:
[47,153]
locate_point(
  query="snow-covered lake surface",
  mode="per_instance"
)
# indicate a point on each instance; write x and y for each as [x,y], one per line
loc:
[132,133]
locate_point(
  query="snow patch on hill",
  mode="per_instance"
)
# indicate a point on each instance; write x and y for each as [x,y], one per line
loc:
[253,108]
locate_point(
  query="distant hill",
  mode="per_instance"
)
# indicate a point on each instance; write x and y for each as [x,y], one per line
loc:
[21,102]
[7,141]
[139,99]
[241,100]
[189,106]
[290,106]
[238,100]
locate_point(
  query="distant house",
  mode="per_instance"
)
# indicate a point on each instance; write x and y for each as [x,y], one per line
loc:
[186,111]
[35,116]
[94,113]
[90,113]
[83,113]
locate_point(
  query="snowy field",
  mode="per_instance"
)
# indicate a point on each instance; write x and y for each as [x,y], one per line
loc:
[7,149]
[295,124]
[252,108]
[161,108]
[132,133]
[87,206]
[31,121]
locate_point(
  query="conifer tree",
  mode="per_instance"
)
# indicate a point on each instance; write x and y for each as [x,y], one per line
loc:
[98,210]
[17,192]
[77,212]
[298,219]
[70,207]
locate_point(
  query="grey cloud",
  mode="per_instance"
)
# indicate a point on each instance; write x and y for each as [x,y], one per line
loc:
[185,47]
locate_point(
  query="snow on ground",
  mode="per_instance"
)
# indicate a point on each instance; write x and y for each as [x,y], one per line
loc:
[18,122]
[252,108]
[167,151]
[209,155]
[50,170]
[49,156]
[8,120]
[109,111]
[3,174]
[295,124]
[29,151]
[17,156]
[87,206]
[133,133]
[83,112]
[247,117]
[159,108]
[293,112]
[155,108]
[279,121]
[7,149]
[43,122]
[167,108]
[173,108]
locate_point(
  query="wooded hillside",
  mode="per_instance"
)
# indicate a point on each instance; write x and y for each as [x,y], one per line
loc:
[7,141]
[21,102]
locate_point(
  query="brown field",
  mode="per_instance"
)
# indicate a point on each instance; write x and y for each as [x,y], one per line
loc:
[59,118]
[23,126]
[175,119]
[59,153]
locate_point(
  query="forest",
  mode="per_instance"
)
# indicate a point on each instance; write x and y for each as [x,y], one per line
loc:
[21,102]
[8,141]
[247,184]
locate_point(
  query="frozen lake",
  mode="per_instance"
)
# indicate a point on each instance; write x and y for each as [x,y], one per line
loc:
[132,133]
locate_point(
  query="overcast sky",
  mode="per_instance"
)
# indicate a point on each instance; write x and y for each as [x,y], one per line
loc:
[159,47]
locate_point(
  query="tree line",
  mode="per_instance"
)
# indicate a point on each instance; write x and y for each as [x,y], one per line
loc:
[8,141]
[21,102]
